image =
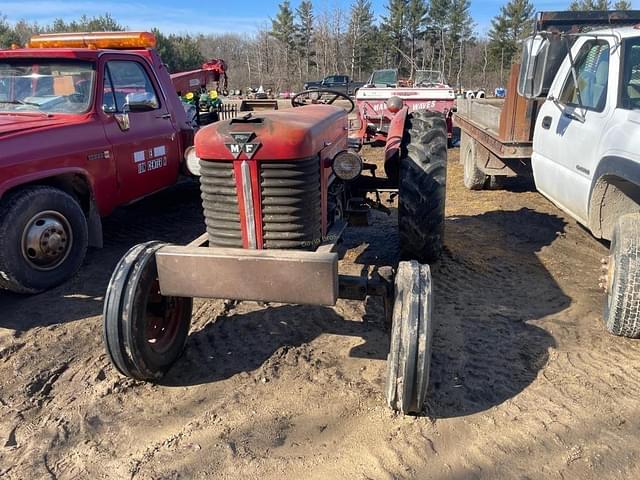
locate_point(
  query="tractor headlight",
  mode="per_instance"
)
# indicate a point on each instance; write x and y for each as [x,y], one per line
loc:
[192,161]
[347,165]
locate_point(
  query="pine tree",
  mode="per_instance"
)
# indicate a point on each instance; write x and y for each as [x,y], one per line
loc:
[180,53]
[585,5]
[7,34]
[622,5]
[361,35]
[439,13]
[460,26]
[393,26]
[416,25]
[304,33]
[100,23]
[283,29]
[438,19]
[512,25]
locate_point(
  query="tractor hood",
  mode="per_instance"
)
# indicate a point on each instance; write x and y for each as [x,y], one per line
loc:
[14,124]
[277,135]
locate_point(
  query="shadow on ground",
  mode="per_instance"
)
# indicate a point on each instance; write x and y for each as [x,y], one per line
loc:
[489,286]
[243,342]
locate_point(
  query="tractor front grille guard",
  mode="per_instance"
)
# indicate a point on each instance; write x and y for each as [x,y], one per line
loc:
[220,203]
[290,204]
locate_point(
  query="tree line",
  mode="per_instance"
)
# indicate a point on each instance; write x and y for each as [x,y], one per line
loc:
[304,42]
[179,52]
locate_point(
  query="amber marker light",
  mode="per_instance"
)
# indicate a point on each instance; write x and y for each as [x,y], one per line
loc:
[106,40]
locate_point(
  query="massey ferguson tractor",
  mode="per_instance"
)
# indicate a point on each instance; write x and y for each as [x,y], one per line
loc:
[278,190]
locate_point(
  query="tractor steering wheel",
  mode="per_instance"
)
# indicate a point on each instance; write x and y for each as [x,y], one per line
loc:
[317,97]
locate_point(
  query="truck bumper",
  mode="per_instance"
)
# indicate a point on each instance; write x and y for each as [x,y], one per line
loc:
[283,276]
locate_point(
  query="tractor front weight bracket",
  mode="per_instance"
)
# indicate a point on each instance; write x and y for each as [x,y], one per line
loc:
[380,284]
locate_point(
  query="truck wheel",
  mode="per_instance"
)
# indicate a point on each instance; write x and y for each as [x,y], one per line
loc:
[411,335]
[622,279]
[422,186]
[144,331]
[43,239]
[474,178]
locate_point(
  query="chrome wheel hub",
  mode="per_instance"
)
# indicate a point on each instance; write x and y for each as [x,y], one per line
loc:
[46,240]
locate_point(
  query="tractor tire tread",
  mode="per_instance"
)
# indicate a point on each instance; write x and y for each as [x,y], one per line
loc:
[422,186]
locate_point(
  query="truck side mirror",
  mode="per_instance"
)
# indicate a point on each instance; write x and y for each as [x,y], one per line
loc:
[123,119]
[140,102]
[535,53]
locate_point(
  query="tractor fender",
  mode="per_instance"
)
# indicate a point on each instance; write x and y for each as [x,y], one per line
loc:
[395,134]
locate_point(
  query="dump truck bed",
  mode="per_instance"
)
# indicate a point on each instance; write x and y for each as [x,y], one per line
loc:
[483,112]
[504,127]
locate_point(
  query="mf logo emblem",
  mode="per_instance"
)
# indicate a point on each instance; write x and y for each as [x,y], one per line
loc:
[243,144]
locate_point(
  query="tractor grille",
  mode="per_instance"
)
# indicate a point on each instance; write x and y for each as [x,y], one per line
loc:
[291,203]
[220,202]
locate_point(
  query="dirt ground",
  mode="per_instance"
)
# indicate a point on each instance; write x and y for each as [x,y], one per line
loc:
[525,382]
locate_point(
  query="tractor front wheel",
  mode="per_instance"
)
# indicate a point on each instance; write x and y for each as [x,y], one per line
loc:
[411,336]
[422,186]
[144,331]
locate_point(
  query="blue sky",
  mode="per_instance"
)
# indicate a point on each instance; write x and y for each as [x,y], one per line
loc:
[198,16]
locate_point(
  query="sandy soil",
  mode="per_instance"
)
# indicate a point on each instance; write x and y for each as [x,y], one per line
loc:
[525,382]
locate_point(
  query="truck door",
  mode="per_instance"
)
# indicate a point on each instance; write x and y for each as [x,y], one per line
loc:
[569,128]
[146,154]
[329,82]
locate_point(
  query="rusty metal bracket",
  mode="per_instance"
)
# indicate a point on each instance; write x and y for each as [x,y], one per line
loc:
[515,150]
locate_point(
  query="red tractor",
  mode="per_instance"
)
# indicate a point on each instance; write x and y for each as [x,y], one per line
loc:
[278,190]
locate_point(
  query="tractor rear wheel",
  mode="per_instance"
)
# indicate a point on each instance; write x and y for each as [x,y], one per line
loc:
[144,331]
[422,186]
[411,336]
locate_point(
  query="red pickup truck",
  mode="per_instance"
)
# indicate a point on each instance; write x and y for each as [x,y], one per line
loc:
[88,122]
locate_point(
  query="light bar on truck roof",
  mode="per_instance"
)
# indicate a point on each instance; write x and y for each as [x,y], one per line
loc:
[108,40]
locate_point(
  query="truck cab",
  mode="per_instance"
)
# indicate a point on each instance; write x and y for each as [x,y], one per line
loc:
[88,122]
[586,142]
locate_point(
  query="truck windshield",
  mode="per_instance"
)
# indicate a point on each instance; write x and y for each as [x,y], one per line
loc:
[48,86]
[630,93]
